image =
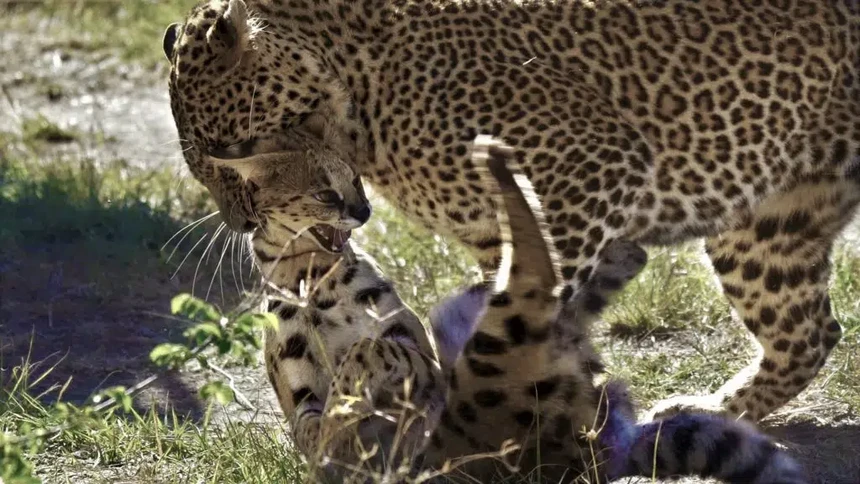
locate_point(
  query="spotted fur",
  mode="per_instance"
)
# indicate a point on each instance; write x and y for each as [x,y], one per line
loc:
[521,369]
[648,122]
[345,343]
[350,362]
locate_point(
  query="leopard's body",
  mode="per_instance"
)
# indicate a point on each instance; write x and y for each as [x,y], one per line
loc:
[647,122]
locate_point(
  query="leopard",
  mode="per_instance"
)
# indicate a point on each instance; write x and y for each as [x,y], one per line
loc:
[347,348]
[736,121]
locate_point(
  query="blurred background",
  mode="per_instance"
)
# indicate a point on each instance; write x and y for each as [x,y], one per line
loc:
[101,226]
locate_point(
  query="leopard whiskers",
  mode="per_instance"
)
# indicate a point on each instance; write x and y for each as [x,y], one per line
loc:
[188,229]
[232,239]
[188,254]
[215,236]
[175,140]
[218,271]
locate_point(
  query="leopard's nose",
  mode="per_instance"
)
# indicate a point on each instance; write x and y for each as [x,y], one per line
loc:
[239,223]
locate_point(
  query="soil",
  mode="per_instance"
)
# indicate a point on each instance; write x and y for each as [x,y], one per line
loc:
[94,318]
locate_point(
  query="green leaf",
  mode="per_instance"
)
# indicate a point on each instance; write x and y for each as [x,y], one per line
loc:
[203,331]
[218,390]
[224,346]
[169,354]
[194,309]
[14,469]
[258,320]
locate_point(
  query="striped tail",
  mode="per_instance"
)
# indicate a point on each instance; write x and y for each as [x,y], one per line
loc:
[692,444]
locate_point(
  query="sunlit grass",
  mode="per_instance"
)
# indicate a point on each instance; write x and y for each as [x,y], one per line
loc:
[134,28]
[152,446]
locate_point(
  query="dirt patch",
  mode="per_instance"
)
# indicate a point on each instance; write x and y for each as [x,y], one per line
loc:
[93,310]
[122,111]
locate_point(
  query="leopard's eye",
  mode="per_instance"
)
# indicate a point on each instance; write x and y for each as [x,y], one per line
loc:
[329,197]
[237,151]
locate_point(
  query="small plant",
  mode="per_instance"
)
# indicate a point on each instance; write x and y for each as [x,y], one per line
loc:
[213,333]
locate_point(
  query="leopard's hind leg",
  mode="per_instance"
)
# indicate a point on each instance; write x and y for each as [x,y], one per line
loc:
[775,271]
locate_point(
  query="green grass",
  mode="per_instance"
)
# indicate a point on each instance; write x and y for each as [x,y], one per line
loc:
[648,306]
[134,28]
[65,202]
[152,446]
[670,331]
[40,129]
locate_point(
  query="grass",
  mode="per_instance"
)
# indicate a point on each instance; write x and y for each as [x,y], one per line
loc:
[649,304]
[153,446]
[40,129]
[66,203]
[671,331]
[133,28]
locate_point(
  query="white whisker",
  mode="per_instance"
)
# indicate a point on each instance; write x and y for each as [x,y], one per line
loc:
[176,140]
[242,249]
[218,273]
[233,262]
[188,254]
[192,226]
[221,228]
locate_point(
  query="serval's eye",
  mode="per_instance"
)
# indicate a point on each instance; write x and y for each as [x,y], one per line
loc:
[329,197]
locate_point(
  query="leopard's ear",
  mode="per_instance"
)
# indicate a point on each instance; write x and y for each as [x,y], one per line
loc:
[168,43]
[230,35]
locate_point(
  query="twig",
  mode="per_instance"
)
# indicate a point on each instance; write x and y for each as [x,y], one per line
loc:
[240,397]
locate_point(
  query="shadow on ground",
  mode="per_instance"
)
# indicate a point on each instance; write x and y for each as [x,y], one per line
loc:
[829,452]
[85,290]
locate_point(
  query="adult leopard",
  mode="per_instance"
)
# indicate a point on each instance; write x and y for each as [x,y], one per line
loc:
[651,122]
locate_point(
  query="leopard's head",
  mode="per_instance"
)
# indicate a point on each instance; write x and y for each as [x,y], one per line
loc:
[235,83]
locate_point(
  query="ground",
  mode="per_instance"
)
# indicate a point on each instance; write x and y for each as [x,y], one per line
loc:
[92,188]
